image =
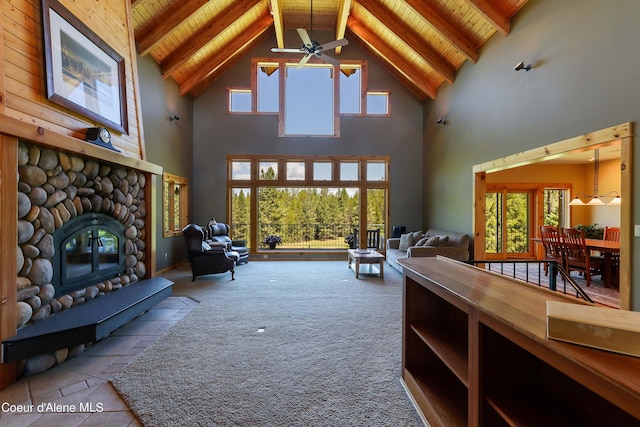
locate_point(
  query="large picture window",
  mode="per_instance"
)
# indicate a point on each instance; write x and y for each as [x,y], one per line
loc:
[311,202]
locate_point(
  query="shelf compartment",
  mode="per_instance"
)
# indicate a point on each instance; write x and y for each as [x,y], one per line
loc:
[450,349]
[524,390]
[439,399]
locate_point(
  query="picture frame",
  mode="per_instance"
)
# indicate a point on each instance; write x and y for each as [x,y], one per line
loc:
[83,73]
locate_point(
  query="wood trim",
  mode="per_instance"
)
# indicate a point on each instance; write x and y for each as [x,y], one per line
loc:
[626,223]
[549,151]
[46,137]
[492,14]
[622,132]
[276,12]
[8,244]
[136,85]
[344,8]
[151,195]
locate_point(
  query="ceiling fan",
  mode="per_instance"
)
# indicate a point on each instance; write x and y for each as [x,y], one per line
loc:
[313,48]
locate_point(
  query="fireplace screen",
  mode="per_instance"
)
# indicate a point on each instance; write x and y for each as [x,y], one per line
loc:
[90,250]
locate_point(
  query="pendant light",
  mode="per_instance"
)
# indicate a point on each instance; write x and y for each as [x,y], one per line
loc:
[596,200]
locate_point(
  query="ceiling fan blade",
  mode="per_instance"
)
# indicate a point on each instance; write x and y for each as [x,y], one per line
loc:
[304,60]
[281,50]
[305,38]
[334,44]
[328,59]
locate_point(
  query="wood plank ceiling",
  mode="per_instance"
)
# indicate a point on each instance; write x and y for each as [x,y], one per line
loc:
[421,42]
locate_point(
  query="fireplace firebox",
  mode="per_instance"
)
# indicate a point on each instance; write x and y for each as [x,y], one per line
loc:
[88,250]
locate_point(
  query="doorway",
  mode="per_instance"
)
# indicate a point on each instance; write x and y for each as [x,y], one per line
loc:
[621,134]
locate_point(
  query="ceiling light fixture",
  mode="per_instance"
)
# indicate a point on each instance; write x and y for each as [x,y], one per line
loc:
[596,200]
[520,66]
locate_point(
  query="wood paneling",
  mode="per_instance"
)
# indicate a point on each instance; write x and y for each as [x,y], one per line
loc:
[23,76]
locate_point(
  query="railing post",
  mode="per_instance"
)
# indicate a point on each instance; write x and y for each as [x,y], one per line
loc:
[553,272]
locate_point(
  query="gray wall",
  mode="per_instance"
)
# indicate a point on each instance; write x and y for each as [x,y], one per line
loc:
[584,78]
[169,144]
[217,134]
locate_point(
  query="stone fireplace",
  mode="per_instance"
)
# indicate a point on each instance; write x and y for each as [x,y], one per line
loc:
[81,231]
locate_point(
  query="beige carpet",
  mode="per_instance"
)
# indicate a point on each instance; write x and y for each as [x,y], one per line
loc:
[285,344]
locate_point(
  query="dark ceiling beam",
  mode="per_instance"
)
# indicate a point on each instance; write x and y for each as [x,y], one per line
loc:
[276,12]
[213,28]
[491,14]
[413,40]
[344,8]
[391,60]
[446,30]
[165,26]
[238,47]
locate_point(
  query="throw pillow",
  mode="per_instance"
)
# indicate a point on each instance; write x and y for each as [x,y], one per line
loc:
[432,241]
[205,246]
[406,240]
[444,241]
[421,242]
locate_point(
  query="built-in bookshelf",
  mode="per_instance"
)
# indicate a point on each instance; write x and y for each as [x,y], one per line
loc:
[475,352]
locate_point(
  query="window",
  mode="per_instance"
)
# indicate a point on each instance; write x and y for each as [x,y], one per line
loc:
[240,171]
[240,100]
[308,98]
[311,202]
[378,103]
[295,171]
[350,89]
[376,171]
[349,171]
[268,170]
[322,171]
[175,204]
[268,87]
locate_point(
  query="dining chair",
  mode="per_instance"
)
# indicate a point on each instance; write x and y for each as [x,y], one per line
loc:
[613,234]
[552,244]
[578,257]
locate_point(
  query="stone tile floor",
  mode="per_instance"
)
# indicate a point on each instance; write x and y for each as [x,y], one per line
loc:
[78,392]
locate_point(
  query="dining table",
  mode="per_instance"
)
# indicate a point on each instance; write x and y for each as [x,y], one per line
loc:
[608,248]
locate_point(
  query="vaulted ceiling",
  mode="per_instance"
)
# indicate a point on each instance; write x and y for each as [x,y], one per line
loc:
[421,42]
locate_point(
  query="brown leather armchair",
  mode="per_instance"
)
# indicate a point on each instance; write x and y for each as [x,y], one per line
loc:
[205,258]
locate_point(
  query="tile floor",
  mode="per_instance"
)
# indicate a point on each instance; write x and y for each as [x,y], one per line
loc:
[78,392]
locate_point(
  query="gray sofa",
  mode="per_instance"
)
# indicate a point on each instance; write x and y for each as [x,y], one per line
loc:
[449,244]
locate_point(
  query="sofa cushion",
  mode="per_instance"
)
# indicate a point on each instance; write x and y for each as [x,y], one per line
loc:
[205,246]
[408,239]
[443,241]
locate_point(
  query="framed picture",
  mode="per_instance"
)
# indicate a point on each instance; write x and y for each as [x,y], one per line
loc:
[83,73]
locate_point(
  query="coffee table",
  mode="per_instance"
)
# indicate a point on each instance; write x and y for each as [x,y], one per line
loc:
[368,257]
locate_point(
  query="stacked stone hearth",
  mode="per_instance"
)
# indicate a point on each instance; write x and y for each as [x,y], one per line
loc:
[55,187]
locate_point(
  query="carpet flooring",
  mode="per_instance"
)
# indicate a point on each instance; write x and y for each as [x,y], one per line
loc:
[285,344]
